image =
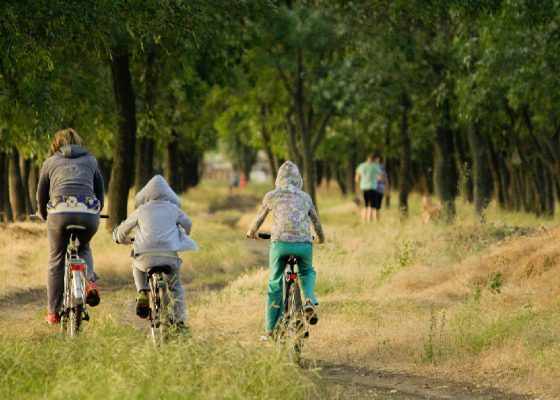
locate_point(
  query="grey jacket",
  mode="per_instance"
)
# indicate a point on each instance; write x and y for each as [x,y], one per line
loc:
[72,171]
[158,220]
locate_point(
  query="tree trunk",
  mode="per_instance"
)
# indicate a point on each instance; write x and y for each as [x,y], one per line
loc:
[406,157]
[465,167]
[170,170]
[124,144]
[25,168]
[5,208]
[144,162]
[340,176]
[145,145]
[549,192]
[445,167]
[267,142]
[500,174]
[17,196]
[303,128]
[32,182]
[481,173]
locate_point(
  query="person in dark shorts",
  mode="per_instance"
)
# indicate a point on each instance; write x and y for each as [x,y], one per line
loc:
[366,176]
[380,189]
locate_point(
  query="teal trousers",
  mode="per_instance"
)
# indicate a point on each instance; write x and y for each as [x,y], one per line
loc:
[277,263]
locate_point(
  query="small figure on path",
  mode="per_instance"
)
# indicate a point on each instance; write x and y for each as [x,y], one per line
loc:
[366,176]
[382,186]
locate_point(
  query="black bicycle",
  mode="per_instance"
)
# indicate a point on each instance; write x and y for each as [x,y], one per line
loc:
[292,329]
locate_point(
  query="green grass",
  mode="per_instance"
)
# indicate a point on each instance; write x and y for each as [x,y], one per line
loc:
[111,360]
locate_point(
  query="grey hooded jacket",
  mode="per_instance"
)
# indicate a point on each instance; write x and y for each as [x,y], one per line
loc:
[292,209]
[158,220]
[72,171]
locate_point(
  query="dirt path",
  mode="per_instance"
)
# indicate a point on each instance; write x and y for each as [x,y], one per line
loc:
[360,383]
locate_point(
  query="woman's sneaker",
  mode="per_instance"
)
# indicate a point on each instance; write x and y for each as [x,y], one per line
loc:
[311,312]
[52,318]
[142,304]
[92,294]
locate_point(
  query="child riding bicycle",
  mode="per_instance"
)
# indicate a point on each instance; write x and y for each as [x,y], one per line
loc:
[162,230]
[293,212]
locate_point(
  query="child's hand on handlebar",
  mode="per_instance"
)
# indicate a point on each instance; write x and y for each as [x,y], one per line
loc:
[126,240]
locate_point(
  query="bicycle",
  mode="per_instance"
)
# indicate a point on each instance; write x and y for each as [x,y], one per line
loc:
[161,316]
[293,328]
[74,309]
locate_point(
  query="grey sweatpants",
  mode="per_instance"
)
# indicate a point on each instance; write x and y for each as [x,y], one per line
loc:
[58,241]
[176,291]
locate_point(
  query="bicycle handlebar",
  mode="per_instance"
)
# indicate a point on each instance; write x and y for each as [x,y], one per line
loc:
[266,236]
[34,217]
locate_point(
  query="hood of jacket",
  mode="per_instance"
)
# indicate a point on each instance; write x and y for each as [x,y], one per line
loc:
[288,176]
[156,189]
[72,151]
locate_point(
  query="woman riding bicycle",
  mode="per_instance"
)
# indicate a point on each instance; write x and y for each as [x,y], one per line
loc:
[293,211]
[69,192]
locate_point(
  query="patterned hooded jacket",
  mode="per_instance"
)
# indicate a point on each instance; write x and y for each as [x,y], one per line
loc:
[292,209]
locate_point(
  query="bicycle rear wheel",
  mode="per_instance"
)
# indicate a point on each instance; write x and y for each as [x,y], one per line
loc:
[294,323]
[156,309]
[76,313]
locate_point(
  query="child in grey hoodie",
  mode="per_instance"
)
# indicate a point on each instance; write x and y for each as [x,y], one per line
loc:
[162,230]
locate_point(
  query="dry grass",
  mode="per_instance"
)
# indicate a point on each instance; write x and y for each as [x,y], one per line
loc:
[470,301]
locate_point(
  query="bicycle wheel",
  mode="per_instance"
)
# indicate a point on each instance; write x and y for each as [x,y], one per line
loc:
[294,323]
[76,312]
[66,301]
[155,310]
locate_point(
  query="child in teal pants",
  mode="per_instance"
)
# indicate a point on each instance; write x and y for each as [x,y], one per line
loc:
[293,212]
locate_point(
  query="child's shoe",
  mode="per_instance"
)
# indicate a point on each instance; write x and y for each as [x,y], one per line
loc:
[142,304]
[266,335]
[92,294]
[181,328]
[311,312]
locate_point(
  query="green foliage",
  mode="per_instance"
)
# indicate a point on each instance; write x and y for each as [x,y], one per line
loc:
[433,348]
[495,282]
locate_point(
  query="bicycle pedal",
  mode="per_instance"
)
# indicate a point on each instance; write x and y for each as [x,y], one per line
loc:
[85,317]
[306,335]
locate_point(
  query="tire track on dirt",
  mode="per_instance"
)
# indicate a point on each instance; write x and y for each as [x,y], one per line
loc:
[359,383]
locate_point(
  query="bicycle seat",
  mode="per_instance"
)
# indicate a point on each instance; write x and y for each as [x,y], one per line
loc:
[75,228]
[165,269]
[290,259]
